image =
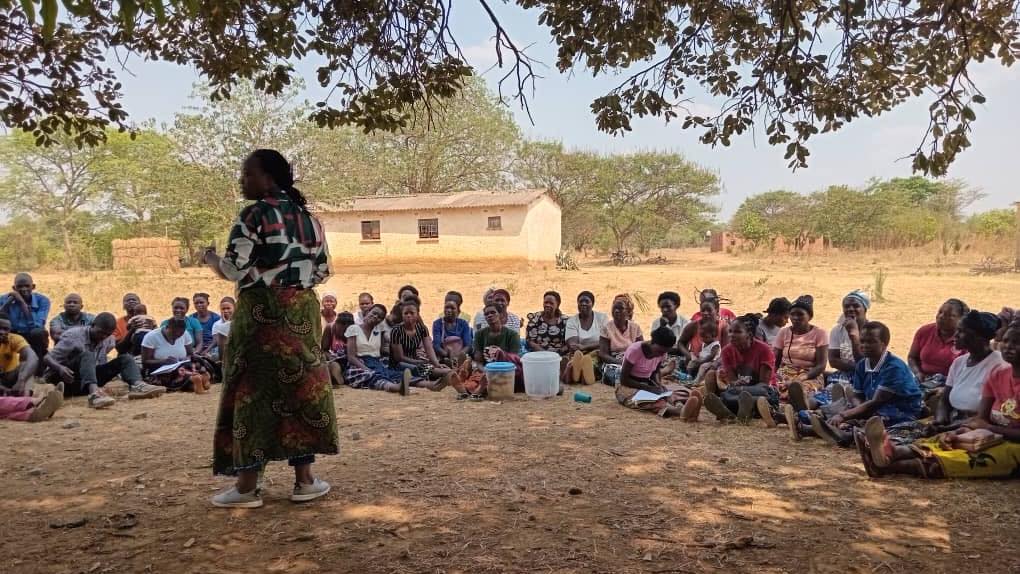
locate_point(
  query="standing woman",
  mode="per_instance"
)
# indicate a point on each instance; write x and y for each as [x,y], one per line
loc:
[277,401]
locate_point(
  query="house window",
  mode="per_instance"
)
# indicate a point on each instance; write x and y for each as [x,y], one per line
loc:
[495,223]
[428,229]
[370,230]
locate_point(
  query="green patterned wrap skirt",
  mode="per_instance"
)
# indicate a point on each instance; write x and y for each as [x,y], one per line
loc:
[277,400]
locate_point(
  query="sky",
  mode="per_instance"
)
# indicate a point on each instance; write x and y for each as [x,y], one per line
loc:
[867,148]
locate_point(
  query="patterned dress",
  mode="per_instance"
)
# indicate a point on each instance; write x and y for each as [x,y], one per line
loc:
[550,337]
[277,400]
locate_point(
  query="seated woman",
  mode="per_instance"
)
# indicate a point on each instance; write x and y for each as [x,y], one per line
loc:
[986,446]
[32,409]
[328,311]
[640,372]
[746,375]
[366,369]
[179,308]
[616,337]
[547,330]
[776,317]
[365,302]
[1006,318]
[934,348]
[501,299]
[845,338]
[711,348]
[411,348]
[479,323]
[882,385]
[451,335]
[709,294]
[690,344]
[169,345]
[457,298]
[221,329]
[334,347]
[961,399]
[583,333]
[494,343]
[801,351]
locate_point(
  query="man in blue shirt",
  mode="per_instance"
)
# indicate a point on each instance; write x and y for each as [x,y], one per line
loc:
[28,312]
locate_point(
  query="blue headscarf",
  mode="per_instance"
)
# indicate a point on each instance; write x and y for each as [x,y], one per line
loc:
[861,297]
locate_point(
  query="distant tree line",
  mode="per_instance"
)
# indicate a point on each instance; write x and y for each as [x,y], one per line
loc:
[894,213]
[66,203]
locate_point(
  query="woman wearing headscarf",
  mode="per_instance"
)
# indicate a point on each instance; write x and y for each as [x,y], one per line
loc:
[845,337]
[277,400]
[934,348]
[617,335]
[961,398]
[801,349]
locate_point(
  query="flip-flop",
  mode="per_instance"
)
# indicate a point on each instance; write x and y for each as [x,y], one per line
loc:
[714,405]
[824,430]
[45,408]
[797,398]
[878,442]
[765,412]
[745,409]
[791,421]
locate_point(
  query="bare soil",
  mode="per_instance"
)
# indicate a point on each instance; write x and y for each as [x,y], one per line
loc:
[431,485]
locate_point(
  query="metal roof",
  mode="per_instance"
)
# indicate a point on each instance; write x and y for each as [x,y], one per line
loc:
[427,201]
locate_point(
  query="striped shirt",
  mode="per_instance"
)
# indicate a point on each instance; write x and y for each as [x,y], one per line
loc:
[409,343]
[276,243]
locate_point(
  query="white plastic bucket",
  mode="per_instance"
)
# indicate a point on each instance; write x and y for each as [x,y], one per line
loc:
[541,374]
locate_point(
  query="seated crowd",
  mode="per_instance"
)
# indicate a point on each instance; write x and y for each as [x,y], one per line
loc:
[949,410]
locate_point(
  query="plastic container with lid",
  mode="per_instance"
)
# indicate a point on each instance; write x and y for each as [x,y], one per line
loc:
[501,380]
[541,374]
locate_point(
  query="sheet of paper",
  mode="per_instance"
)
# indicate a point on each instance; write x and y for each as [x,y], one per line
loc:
[646,397]
[171,368]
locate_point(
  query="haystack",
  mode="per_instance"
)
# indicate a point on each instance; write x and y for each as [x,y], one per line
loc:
[147,254]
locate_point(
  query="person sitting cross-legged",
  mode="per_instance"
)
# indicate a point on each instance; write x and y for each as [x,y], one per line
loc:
[882,386]
[18,362]
[169,345]
[80,360]
[72,316]
[985,446]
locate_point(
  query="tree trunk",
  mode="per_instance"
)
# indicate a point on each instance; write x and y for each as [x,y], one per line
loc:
[72,261]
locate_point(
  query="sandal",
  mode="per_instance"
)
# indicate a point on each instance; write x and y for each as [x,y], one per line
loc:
[463,396]
[475,397]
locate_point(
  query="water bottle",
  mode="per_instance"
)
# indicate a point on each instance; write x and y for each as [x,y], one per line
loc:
[582,397]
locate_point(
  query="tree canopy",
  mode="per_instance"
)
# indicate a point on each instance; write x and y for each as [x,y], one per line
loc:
[796,67]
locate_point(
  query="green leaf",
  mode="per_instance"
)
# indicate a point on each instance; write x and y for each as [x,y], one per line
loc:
[157,9]
[128,11]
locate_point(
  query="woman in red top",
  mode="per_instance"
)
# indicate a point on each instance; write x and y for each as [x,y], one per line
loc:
[934,348]
[986,446]
[746,373]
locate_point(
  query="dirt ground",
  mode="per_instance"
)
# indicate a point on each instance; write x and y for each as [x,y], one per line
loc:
[426,484]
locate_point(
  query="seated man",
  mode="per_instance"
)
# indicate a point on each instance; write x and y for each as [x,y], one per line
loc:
[129,302]
[28,312]
[18,362]
[72,316]
[80,361]
[883,386]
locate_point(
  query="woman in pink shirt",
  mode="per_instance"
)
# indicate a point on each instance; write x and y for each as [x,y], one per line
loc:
[934,348]
[986,446]
[641,362]
[801,351]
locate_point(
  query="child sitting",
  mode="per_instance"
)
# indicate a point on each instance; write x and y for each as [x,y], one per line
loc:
[708,331]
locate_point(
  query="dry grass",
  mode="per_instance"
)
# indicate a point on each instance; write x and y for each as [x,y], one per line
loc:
[434,485]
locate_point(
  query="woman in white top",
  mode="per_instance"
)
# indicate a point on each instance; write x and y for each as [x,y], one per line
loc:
[366,369]
[582,333]
[221,328]
[968,373]
[168,345]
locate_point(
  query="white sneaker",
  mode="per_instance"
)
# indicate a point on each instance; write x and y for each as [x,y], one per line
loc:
[306,492]
[142,390]
[101,401]
[231,498]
